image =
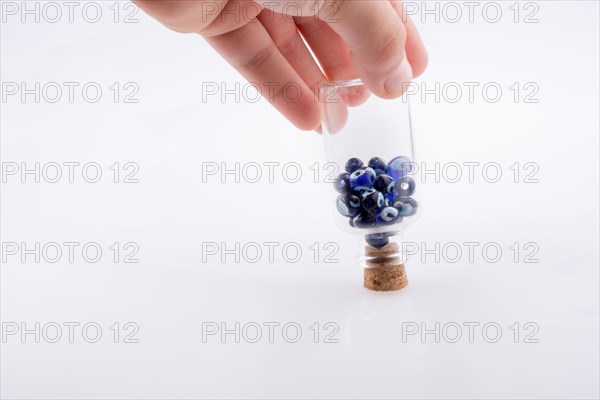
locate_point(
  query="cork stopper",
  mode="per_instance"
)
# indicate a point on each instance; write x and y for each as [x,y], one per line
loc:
[384,270]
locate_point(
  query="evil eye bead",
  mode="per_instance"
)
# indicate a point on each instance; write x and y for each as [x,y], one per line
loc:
[377,163]
[384,184]
[364,220]
[353,201]
[377,240]
[387,215]
[406,207]
[362,179]
[399,167]
[380,171]
[353,164]
[342,183]
[343,206]
[372,174]
[358,191]
[405,187]
[372,200]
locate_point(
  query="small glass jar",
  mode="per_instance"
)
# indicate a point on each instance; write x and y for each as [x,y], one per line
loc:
[375,195]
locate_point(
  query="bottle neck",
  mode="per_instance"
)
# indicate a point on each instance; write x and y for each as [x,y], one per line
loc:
[383,264]
[381,251]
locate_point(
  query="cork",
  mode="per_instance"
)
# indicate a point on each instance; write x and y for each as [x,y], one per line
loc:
[385,271]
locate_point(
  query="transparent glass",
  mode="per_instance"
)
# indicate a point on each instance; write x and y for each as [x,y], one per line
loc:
[370,140]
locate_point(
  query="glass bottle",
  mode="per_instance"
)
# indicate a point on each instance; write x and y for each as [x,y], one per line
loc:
[375,195]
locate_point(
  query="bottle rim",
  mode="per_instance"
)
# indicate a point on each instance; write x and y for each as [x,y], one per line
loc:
[346,83]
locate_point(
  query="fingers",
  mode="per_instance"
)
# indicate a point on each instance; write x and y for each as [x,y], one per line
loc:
[284,34]
[229,26]
[415,49]
[206,17]
[328,47]
[333,55]
[253,53]
[373,40]
[376,38]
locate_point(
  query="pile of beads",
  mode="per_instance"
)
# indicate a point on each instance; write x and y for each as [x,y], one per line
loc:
[377,194]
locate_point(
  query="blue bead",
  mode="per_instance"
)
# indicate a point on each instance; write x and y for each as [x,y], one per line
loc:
[384,184]
[353,201]
[353,164]
[378,163]
[372,200]
[388,216]
[358,191]
[405,187]
[362,179]
[377,240]
[342,183]
[406,206]
[344,207]
[399,167]
[380,171]
[372,174]
[364,220]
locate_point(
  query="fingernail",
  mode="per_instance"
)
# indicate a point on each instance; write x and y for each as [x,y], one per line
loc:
[397,83]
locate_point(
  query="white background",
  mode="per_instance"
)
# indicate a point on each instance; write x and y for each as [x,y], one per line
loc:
[170,132]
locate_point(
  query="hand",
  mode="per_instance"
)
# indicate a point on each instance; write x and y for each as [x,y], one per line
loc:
[372,40]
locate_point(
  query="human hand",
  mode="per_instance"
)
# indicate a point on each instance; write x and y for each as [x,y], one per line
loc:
[372,40]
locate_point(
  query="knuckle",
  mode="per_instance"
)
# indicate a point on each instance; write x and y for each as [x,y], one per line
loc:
[259,58]
[391,44]
[288,46]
